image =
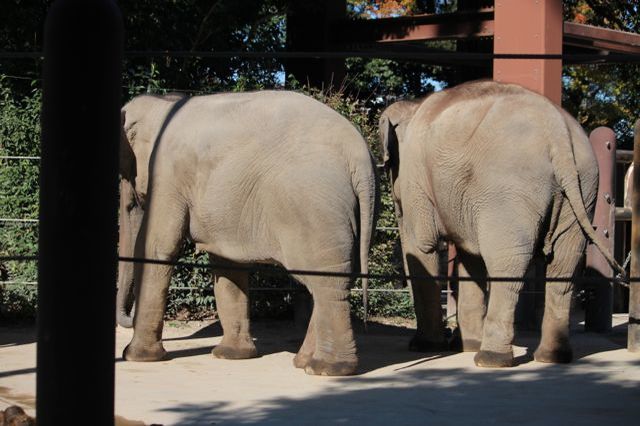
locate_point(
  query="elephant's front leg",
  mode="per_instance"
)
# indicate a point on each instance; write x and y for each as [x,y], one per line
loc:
[426,299]
[304,355]
[498,331]
[232,301]
[159,239]
[146,344]
[334,353]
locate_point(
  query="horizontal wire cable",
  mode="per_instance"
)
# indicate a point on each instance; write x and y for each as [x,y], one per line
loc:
[18,157]
[271,270]
[440,56]
[267,289]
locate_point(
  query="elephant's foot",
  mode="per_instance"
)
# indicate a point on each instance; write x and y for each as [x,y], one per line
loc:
[244,350]
[144,353]
[420,343]
[302,359]
[459,344]
[494,359]
[558,356]
[470,345]
[320,367]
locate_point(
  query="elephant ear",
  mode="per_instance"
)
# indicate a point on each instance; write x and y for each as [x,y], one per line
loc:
[127,156]
[389,142]
[392,125]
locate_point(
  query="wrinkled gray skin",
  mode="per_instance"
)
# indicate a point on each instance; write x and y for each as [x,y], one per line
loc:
[505,175]
[271,177]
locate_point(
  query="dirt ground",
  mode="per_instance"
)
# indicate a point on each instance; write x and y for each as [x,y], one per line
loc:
[394,386]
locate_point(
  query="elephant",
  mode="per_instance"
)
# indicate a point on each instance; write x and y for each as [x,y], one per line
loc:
[257,177]
[506,176]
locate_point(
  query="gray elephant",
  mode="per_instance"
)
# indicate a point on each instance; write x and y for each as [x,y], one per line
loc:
[505,175]
[264,177]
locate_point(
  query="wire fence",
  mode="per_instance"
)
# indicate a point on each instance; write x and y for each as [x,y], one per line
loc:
[461,58]
[272,270]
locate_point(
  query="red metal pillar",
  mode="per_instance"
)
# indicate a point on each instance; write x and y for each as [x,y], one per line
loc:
[633,338]
[600,302]
[529,27]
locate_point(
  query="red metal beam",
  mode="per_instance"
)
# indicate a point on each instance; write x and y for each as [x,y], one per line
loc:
[590,37]
[445,26]
[473,25]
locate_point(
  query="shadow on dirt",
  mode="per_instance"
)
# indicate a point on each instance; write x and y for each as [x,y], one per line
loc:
[375,348]
[17,334]
[581,393]
[283,336]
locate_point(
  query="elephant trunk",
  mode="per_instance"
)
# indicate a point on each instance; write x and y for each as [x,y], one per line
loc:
[124,300]
[130,221]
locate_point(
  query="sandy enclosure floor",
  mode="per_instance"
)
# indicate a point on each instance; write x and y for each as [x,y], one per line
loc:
[394,386]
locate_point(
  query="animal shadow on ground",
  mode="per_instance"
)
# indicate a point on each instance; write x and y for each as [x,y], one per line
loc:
[379,346]
[17,334]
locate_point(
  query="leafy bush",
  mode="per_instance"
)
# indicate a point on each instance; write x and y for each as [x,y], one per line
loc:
[19,136]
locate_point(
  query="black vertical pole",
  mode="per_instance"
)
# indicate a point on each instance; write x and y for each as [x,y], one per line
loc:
[78,213]
[309,29]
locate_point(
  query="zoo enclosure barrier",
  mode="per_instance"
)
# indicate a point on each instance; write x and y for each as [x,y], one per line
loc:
[599,308]
[458,58]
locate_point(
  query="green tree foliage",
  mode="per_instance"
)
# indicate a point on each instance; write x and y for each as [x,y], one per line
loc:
[380,81]
[204,25]
[19,136]
[604,95]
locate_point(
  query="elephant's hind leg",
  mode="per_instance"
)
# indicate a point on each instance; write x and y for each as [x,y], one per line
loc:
[471,303]
[554,345]
[304,355]
[507,255]
[334,351]
[426,291]
[232,301]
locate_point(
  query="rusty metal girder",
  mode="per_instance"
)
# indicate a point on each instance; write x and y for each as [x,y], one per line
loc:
[590,37]
[445,26]
[600,305]
[633,337]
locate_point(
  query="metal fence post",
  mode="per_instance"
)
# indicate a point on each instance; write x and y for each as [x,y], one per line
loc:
[452,283]
[78,213]
[633,338]
[599,307]
[310,28]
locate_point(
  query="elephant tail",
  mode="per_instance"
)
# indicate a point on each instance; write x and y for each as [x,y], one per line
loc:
[366,186]
[566,172]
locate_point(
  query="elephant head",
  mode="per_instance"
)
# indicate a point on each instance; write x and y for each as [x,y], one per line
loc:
[136,145]
[132,193]
[392,126]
